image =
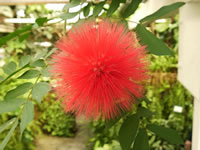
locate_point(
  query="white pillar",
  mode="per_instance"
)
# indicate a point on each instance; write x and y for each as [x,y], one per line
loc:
[189,60]
[189,47]
[196,126]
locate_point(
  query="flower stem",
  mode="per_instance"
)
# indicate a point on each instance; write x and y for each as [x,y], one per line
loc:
[12,74]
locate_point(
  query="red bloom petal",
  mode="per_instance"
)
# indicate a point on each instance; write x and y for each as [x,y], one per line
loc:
[100,68]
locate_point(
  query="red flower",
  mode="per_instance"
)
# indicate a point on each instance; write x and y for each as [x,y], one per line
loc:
[100,67]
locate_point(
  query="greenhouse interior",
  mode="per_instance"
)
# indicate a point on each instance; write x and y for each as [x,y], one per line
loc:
[99,75]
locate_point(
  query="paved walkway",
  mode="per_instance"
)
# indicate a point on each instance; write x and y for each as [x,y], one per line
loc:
[79,142]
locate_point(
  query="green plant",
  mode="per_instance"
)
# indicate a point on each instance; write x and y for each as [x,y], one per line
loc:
[48,114]
[115,145]
[163,97]
[54,120]
[103,133]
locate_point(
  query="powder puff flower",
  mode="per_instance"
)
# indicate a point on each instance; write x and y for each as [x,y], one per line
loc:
[100,68]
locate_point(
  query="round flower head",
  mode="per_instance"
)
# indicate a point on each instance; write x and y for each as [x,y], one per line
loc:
[99,68]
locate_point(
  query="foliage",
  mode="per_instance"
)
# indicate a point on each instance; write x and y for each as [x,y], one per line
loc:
[103,134]
[53,120]
[27,141]
[113,146]
[48,114]
[37,61]
[23,52]
[163,97]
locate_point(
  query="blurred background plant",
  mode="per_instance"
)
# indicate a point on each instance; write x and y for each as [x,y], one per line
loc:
[54,120]
[50,118]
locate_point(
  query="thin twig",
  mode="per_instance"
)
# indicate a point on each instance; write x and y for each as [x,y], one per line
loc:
[12,74]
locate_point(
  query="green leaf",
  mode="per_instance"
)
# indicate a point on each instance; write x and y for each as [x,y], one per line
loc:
[73,3]
[1,78]
[27,116]
[24,60]
[141,141]
[98,8]
[128,132]
[40,55]
[9,68]
[162,12]
[132,7]
[50,52]
[86,10]
[113,121]
[12,35]
[45,72]
[40,90]
[41,21]
[24,36]
[67,15]
[38,63]
[143,112]
[30,74]
[7,124]
[146,100]
[10,105]
[8,136]
[113,7]
[162,27]
[18,91]
[154,45]
[166,133]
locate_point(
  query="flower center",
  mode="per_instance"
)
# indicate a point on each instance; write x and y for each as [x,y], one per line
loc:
[98,67]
